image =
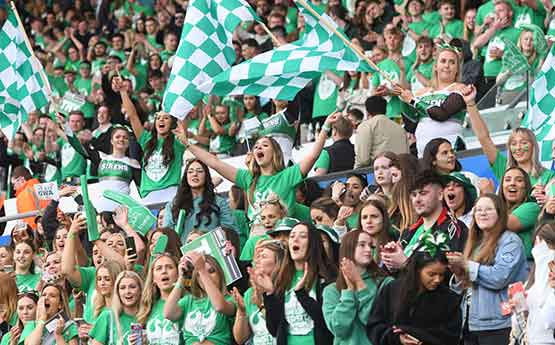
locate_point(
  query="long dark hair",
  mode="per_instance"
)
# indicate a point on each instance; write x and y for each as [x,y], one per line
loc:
[319,265]
[168,154]
[347,250]
[184,197]
[527,186]
[430,152]
[409,281]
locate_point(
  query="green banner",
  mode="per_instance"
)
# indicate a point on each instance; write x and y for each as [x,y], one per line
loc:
[213,243]
[140,218]
[90,211]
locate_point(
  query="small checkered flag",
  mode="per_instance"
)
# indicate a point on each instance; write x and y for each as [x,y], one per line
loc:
[541,108]
[23,88]
[205,50]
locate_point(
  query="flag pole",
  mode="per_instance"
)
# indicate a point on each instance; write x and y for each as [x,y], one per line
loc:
[272,36]
[345,40]
[28,43]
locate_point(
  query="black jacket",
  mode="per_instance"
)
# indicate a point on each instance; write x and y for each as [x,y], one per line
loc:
[434,317]
[277,324]
[342,156]
[456,231]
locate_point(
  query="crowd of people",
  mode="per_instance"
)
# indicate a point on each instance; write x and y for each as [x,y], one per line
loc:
[423,253]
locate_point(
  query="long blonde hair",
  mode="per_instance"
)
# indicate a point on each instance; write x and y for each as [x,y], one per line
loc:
[277,165]
[279,248]
[117,307]
[114,268]
[151,292]
[537,167]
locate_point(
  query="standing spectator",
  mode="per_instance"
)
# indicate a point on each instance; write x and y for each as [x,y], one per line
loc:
[493,259]
[340,156]
[378,134]
[448,27]
[420,74]
[492,45]
[460,195]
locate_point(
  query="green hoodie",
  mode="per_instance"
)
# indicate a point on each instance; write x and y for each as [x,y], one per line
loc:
[346,312]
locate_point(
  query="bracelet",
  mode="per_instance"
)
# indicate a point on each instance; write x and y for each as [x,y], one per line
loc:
[72,235]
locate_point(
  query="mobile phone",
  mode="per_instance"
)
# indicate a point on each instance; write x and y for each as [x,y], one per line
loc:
[50,325]
[130,245]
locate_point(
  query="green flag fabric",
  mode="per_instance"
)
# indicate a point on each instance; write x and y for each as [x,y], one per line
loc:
[542,105]
[513,59]
[282,72]
[205,50]
[22,89]
[139,216]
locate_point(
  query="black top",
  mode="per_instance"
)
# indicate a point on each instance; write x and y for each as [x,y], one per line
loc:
[342,156]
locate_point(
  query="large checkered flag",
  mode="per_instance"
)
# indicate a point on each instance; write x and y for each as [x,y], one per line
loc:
[23,86]
[205,50]
[541,108]
[281,73]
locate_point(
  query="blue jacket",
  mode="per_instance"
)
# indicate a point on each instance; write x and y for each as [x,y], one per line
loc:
[490,283]
[224,219]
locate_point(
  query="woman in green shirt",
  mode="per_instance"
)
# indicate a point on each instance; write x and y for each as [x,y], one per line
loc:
[26,312]
[250,319]
[25,277]
[267,173]
[514,190]
[206,312]
[163,154]
[162,276]
[348,301]
[52,307]
[113,326]
[522,149]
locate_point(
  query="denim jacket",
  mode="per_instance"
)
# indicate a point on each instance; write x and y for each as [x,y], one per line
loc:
[224,219]
[490,283]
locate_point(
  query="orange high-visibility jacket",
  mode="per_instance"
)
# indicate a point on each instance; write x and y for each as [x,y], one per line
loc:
[27,200]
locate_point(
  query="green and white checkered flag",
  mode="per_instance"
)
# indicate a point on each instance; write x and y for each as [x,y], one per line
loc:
[22,85]
[539,117]
[205,50]
[513,59]
[281,73]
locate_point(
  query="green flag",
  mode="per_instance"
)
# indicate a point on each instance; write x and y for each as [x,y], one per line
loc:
[90,211]
[205,50]
[513,60]
[539,116]
[140,218]
[22,86]
[282,72]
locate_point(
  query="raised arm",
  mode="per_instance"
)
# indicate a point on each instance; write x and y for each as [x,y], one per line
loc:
[229,172]
[172,310]
[308,161]
[479,125]
[129,107]
[69,264]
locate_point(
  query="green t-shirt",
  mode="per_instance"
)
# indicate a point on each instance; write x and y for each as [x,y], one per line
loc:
[70,332]
[527,215]
[352,221]
[202,322]
[257,322]
[88,285]
[431,17]
[500,165]
[323,161]
[105,330]
[392,70]
[247,254]
[325,96]
[291,19]
[409,44]
[156,175]
[73,164]
[159,330]
[301,325]
[165,55]
[281,183]
[27,282]
[242,223]
[483,11]
[83,86]
[492,67]
[121,168]
[527,15]
[222,144]
[453,29]
[425,69]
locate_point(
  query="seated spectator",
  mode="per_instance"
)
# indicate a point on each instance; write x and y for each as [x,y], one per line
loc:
[448,27]
[221,131]
[378,134]
[420,74]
